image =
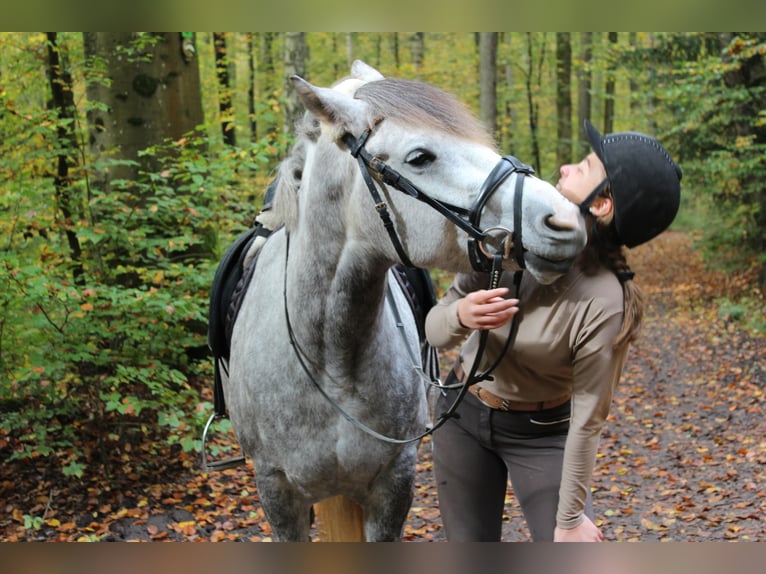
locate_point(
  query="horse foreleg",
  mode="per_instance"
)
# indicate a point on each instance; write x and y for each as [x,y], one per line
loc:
[389,500]
[288,513]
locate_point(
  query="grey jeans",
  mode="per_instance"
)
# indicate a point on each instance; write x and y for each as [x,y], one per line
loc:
[476,453]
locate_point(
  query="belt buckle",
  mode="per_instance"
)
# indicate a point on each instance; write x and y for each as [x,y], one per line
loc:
[505,405]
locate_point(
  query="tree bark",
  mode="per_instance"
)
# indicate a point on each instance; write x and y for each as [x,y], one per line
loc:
[62,102]
[563,98]
[395,49]
[508,143]
[224,89]
[154,94]
[532,79]
[349,48]
[635,105]
[609,89]
[418,50]
[295,64]
[488,80]
[584,83]
[251,87]
[268,84]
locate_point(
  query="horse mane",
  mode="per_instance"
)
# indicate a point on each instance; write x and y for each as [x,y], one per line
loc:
[416,103]
[290,173]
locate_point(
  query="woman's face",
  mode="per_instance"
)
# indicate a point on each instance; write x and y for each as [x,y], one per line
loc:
[578,180]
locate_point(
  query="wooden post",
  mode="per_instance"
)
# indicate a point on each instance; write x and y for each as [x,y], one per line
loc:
[339,519]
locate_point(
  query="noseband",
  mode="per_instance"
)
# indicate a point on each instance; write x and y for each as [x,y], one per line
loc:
[479,252]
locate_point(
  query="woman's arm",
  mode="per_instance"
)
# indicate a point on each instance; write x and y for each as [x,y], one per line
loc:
[596,371]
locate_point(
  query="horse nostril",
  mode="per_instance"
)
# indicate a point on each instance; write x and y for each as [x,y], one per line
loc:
[566,221]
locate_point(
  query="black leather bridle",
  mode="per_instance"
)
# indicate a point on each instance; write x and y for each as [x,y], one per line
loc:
[468,220]
[481,259]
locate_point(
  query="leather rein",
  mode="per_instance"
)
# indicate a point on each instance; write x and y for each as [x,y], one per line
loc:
[482,257]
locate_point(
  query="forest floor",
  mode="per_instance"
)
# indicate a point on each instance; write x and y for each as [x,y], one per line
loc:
[682,457]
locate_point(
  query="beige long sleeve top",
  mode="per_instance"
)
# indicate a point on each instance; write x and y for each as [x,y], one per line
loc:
[564,345]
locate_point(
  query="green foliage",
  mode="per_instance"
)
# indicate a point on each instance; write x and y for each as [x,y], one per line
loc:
[750,312]
[721,135]
[106,356]
[107,345]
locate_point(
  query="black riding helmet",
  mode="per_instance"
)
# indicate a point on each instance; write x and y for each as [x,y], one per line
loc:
[645,183]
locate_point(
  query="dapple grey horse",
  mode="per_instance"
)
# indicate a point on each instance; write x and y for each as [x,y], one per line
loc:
[316,353]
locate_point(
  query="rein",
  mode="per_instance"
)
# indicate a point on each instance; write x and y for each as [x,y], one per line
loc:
[471,379]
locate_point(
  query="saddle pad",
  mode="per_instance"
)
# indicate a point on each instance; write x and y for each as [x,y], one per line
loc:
[228,277]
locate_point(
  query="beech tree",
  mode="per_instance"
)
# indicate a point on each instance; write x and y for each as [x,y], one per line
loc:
[150,91]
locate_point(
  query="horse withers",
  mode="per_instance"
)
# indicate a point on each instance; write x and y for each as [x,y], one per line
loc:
[334,373]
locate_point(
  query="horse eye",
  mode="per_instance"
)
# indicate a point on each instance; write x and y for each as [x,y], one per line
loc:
[419,158]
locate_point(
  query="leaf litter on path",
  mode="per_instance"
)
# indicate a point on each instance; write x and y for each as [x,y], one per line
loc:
[681,457]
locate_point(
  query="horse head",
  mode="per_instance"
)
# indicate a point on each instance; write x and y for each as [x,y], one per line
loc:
[427,138]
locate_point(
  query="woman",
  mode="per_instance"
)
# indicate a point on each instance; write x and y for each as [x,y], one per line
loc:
[538,417]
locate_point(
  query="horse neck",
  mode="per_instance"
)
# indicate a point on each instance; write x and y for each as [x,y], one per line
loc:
[337,284]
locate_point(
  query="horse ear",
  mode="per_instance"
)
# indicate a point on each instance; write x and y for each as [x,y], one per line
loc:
[362,71]
[334,108]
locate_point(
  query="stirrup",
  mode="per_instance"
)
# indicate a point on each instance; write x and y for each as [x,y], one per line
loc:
[218,464]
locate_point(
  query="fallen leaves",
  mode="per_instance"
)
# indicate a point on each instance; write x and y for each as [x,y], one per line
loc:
[682,457]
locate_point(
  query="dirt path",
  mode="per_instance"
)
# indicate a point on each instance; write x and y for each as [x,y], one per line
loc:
[682,457]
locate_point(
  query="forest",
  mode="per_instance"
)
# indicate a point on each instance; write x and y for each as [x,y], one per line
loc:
[131,161]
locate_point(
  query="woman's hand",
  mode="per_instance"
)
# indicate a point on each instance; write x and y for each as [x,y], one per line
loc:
[486,309]
[586,531]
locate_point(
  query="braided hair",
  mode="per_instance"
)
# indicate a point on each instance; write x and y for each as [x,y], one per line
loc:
[604,250]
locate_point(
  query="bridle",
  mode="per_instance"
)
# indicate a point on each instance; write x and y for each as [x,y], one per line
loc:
[481,255]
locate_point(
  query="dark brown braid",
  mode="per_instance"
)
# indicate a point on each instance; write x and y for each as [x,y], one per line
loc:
[604,250]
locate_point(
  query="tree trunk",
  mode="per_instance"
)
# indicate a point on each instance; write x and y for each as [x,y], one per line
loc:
[635,105]
[62,102]
[533,107]
[584,83]
[224,89]
[488,80]
[295,64]
[154,94]
[378,49]
[609,89]
[563,98]
[349,48]
[418,50]
[268,83]
[251,87]
[654,99]
[510,116]
[395,49]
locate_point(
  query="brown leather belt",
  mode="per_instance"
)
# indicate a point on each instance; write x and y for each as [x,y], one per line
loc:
[499,403]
